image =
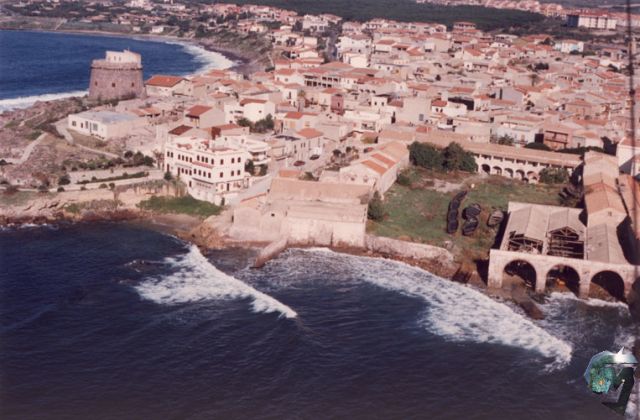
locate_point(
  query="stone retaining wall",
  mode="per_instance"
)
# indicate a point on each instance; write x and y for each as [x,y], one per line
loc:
[407,249]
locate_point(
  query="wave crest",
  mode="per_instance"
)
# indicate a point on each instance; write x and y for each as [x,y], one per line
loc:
[27,101]
[460,313]
[196,279]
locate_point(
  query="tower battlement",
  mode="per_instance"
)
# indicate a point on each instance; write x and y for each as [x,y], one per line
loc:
[117,76]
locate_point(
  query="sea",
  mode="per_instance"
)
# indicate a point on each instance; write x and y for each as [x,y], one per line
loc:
[51,65]
[116,321]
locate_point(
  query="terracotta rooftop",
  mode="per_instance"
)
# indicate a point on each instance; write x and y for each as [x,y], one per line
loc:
[164,81]
[197,110]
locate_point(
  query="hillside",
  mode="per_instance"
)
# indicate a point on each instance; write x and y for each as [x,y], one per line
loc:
[406,11]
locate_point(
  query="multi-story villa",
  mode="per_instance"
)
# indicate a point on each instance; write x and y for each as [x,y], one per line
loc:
[211,172]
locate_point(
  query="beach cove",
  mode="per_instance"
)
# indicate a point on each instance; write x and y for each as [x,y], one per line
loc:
[44,66]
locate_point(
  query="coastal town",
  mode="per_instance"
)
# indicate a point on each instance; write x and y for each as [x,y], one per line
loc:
[486,156]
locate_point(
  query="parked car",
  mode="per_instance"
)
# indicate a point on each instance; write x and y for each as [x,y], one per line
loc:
[298,163]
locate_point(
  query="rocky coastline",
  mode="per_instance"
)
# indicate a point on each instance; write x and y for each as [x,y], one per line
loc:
[202,234]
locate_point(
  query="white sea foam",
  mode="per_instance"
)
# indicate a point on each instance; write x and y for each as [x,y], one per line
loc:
[27,101]
[460,313]
[196,279]
[208,59]
[590,302]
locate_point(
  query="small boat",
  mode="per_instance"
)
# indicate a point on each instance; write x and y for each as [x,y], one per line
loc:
[452,215]
[452,226]
[495,218]
[460,196]
[472,211]
[454,205]
[470,226]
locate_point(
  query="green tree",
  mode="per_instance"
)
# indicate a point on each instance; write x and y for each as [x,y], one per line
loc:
[456,158]
[148,161]
[64,180]
[201,31]
[505,140]
[376,207]
[403,179]
[537,146]
[425,155]
[264,125]
[554,176]
[250,167]
[168,176]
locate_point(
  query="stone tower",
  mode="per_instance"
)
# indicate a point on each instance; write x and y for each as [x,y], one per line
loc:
[117,76]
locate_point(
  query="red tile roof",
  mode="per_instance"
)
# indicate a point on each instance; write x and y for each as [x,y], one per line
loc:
[197,110]
[310,133]
[180,130]
[379,169]
[164,81]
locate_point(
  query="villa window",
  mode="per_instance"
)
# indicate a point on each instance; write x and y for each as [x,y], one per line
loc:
[221,174]
[113,84]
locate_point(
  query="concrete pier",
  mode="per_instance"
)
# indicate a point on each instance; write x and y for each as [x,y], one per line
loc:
[270,251]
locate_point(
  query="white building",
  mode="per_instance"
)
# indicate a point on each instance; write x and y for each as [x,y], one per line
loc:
[104,125]
[592,19]
[568,46]
[210,171]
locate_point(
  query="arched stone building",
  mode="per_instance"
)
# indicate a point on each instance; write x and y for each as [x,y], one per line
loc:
[540,241]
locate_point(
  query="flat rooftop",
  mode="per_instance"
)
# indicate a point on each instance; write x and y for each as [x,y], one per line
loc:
[107,117]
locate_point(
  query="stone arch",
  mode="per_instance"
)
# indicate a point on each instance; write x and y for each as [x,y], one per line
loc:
[532,177]
[497,170]
[522,270]
[608,281]
[520,175]
[508,172]
[486,168]
[561,274]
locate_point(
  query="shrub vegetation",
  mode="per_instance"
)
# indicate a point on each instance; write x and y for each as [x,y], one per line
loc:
[451,158]
[180,205]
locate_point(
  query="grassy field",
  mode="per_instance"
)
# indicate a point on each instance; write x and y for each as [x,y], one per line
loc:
[418,212]
[180,205]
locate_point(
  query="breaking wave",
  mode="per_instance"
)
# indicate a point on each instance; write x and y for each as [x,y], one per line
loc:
[196,279]
[590,302]
[208,60]
[456,312]
[27,101]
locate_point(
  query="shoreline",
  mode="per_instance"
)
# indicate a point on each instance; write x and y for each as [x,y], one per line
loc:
[184,227]
[239,59]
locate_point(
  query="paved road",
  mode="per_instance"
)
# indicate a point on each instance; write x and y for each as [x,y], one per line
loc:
[30,147]
[27,151]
